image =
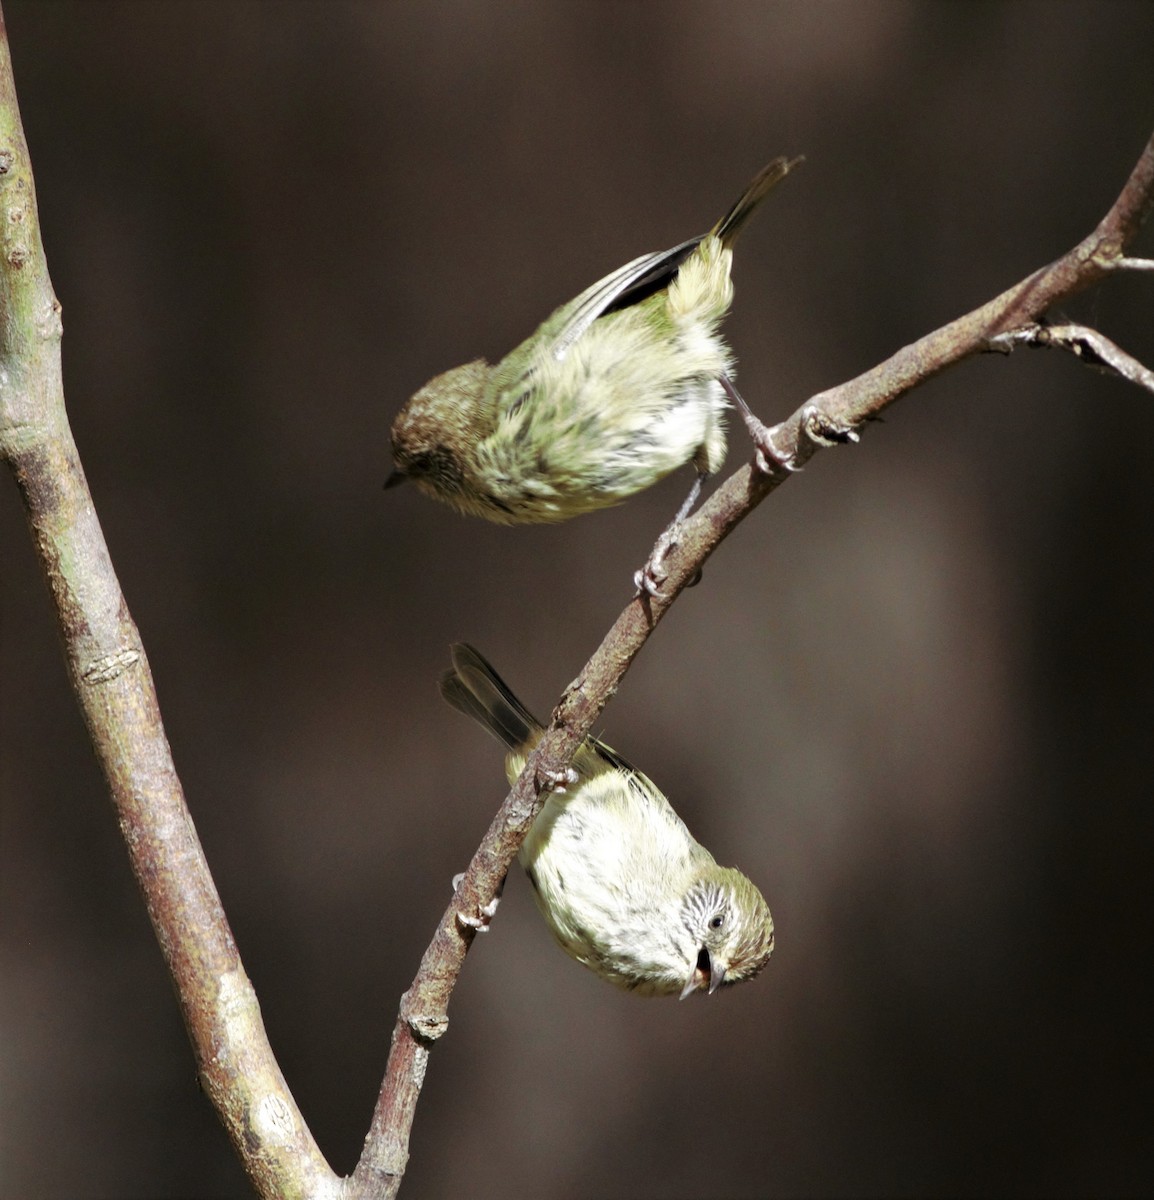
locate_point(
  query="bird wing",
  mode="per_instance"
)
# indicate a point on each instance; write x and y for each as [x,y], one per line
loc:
[630,284]
[512,379]
[610,756]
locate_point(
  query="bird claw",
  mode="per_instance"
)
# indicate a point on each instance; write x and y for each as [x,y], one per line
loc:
[649,579]
[646,582]
[818,426]
[768,457]
[555,781]
[480,922]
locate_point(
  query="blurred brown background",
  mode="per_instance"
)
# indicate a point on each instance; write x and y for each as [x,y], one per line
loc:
[913,698]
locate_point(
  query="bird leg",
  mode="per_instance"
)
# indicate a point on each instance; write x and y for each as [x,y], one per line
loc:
[649,579]
[768,457]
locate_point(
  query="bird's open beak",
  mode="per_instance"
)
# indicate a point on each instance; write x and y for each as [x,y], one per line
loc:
[395,478]
[707,976]
[716,977]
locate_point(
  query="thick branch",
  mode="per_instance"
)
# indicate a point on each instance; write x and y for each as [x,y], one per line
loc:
[113,684]
[830,418]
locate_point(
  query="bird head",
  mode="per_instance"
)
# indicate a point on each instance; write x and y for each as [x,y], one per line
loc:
[730,930]
[432,434]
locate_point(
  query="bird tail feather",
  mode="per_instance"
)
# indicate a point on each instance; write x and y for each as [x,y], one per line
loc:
[727,229]
[474,688]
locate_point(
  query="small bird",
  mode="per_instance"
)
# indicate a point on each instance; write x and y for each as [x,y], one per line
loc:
[617,389]
[620,880]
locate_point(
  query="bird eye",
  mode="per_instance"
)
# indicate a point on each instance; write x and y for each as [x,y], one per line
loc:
[716,922]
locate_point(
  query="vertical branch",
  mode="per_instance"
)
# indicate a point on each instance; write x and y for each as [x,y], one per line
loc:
[113,684]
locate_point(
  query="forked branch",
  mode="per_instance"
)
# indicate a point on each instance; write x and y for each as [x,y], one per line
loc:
[1092,347]
[113,685]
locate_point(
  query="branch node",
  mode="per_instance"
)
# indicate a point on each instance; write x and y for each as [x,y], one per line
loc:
[50,324]
[273,1119]
[426,1028]
[825,430]
[106,669]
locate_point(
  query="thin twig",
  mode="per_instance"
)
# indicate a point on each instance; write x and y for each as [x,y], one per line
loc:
[831,418]
[1092,347]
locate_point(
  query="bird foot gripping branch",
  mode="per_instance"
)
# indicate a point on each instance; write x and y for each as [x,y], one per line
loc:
[479,921]
[768,457]
[555,781]
[772,456]
[649,578]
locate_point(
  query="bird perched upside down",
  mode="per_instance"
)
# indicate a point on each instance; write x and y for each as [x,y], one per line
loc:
[617,389]
[620,880]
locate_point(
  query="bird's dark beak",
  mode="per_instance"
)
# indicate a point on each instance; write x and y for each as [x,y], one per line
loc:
[395,478]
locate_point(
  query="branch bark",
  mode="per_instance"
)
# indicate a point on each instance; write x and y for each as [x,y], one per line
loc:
[113,684]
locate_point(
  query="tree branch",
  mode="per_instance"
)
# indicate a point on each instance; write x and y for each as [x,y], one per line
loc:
[1092,347]
[114,687]
[830,418]
[113,684]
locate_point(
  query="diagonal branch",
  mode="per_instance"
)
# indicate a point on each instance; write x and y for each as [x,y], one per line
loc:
[831,418]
